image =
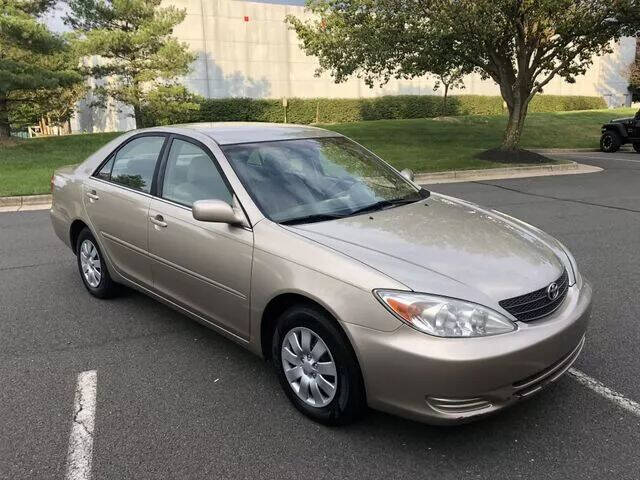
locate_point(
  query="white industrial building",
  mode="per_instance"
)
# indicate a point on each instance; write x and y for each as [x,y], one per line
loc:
[245,49]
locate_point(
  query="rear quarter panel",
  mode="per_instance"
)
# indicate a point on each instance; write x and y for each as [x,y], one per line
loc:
[66,204]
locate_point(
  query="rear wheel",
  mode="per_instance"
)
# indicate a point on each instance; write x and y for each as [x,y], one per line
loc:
[636,146]
[92,267]
[609,142]
[317,367]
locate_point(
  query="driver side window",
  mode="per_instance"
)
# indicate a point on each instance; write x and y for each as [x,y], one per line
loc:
[191,175]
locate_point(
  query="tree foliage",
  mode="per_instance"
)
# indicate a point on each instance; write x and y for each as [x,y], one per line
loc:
[56,105]
[133,40]
[169,104]
[520,44]
[31,57]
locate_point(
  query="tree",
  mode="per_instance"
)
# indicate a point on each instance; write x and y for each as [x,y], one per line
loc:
[31,57]
[48,106]
[133,39]
[634,74]
[169,105]
[520,44]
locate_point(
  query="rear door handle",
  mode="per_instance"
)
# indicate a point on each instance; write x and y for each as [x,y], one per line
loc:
[93,196]
[158,220]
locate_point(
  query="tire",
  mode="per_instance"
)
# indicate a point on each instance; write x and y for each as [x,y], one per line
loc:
[97,279]
[636,146]
[347,403]
[609,142]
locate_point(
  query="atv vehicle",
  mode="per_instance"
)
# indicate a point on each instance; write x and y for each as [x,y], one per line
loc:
[620,131]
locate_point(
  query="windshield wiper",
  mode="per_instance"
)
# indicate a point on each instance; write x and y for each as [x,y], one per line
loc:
[316,217]
[382,204]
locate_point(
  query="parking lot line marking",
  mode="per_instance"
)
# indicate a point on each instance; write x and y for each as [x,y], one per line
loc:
[80,453]
[611,395]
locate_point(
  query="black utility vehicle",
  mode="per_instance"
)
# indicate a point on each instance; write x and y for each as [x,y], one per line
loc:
[620,131]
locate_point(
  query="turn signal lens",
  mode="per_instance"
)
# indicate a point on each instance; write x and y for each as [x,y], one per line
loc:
[444,317]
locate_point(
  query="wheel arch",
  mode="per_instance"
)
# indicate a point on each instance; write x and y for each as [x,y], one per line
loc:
[74,231]
[278,305]
[616,128]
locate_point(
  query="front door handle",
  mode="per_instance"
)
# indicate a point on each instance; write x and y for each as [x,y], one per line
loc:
[93,196]
[158,221]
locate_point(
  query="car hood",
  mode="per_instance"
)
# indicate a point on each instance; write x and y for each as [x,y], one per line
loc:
[446,246]
[622,120]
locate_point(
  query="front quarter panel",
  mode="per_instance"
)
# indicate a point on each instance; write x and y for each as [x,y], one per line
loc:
[288,263]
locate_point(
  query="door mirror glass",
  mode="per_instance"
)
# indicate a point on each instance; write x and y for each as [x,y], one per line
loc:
[215,211]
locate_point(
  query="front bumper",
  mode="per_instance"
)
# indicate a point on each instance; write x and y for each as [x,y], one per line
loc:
[455,380]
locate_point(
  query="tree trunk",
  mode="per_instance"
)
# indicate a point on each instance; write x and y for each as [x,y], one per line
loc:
[5,129]
[137,114]
[517,114]
[446,95]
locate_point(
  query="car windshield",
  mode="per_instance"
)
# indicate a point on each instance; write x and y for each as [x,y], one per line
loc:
[315,179]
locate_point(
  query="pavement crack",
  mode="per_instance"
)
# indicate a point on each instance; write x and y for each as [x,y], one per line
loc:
[561,199]
[32,265]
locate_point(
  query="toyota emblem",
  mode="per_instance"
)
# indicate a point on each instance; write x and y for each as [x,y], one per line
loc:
[553,291]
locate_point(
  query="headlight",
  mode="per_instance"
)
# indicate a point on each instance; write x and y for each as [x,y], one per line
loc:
[444,317]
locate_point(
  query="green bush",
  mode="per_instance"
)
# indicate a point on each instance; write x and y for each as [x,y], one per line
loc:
[346,110]
[562,103]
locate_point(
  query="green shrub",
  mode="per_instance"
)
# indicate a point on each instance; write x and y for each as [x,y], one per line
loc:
[565,103]
[346,110]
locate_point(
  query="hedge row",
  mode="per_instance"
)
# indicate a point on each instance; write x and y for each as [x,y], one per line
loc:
[343,110]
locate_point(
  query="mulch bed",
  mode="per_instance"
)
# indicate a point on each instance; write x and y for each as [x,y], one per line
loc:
[512,156]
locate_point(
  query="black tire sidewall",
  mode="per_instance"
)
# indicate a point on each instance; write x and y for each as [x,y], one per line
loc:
[636,146]
[106,288]
[348,403]
[615,142]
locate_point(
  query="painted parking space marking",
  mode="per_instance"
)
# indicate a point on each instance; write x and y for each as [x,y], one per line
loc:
[611,395]
[80,453]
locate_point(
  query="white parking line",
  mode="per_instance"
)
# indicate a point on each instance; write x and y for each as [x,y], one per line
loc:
[80,453]
[606,392]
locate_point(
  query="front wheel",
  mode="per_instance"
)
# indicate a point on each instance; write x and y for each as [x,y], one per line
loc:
[609,142]
[636,146]
[93,269]
[316,367]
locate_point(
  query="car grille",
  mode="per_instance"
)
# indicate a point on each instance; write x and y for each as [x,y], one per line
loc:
[535,305]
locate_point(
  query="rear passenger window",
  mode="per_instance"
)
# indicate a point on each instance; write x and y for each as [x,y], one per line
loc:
[105,172]
[134,164]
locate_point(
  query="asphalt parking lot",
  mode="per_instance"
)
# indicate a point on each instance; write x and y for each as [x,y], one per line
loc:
[175,400]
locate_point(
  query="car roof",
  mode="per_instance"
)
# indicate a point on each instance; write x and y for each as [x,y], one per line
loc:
[229,133]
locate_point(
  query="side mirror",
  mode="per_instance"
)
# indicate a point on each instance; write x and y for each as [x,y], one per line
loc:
[408,174]
[216,211]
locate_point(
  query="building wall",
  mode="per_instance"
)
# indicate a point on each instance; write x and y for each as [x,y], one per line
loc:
[245,49]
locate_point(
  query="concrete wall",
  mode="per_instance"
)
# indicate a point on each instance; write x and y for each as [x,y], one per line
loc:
[245,49]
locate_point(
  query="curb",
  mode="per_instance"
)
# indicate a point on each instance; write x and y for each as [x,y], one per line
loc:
[503,173]
[27,202]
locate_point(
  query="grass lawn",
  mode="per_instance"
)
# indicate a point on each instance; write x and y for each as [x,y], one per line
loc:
[424,145]
[450,143]
[26,165]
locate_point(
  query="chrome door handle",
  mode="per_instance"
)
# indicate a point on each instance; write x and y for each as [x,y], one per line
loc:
[92,195]
[158,220]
